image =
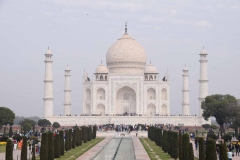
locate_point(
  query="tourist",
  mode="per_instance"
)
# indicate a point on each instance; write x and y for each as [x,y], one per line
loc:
[237,149]
[39,147]
[136,133]
[229,154]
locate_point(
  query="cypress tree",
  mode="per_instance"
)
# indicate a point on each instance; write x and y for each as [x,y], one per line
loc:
[85,134]
[70,139]
[57,146]
[170,143]
[211,150]
[191,154]
[222,151]
[164,141]
[10,132]
[175,143]
[185,146]
[73,138]
[9,150]
[61,143]
[160,137]
[24,149]
[33,152]
[156,137]
[44,146]
[180,146]
[50,146]
[88,133]
[91,134]
[94,131]
[80,137]
[201,148]
[66,140]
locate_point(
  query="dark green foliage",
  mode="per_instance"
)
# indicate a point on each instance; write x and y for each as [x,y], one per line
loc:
[77,137]
[6,116]
[84,134]
[206,126]
[80,136]
[185,146]
[94,131]
[169,142]
[44,122]
[156,137]
[201,148]
[17,137]
[180,146]
[10,134]
[212,136]
[33,153]
[3,139]
[191,154]
[44,147]
[74,138]
[66,140]
[50,146]
[70,139]
[57,146]
[164,141]
[9,150]
[227,137]
[24,149]
[211,150]
[160,137]
[4,131]
[222,151]
[61,140]
[88,133]
[175,143]
[55,125]
[91,134]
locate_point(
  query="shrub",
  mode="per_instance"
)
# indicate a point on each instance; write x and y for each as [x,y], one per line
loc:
[33,152]
[66,140]
[17,137]
[212,136]
[211,150]
[94,131]
[70,139]
[50,146]
[85,134]
[180,145]
[3,139]
[24,149]
[191,155]
[160,137]
[175,143]
[185,146]
[222,151]
[169,142]
[80,137]
[227,137]
[56,146]
[44,146]
[9,150]
[206,126]
[74,138]
[61,143]
[164,142]
[213,126]
[201,148]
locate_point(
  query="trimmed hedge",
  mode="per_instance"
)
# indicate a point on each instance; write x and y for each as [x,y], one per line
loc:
[84,134]
[44,147]
[201,148]
[24,149]
[61,140]
[185,146]
[70,139]
[94,131]
[160,134]
[9,150]
[50,146]
[80,137]
[74,138]
[164,142]
[33,153]
[191,154]
[180,146]
[66,140]
[211,150]
[222,151]
[57,149]
[175,143]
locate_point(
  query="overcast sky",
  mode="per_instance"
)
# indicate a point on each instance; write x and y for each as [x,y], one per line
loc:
[79,34]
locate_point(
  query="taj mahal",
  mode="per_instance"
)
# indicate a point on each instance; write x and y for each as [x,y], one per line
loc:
[126,90]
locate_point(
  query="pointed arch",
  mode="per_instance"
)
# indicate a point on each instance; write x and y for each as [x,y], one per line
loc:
[164,110]
[151,94]
[88,94]
[100,94]
[88,109]
[151,110]
[164,94]
[101,109]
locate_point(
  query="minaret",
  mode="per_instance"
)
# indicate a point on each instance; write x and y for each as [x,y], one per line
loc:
[67,92]
[185,93]
[203,81]
[48,85]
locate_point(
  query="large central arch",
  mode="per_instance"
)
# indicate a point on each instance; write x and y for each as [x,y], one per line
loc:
[125,100]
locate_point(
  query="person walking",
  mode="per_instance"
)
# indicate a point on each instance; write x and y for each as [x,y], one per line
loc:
[237,149]
[229,154]
[39,147]
[136,133]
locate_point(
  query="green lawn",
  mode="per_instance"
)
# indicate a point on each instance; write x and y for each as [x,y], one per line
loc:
[153,150]
[3,148]
[78,151]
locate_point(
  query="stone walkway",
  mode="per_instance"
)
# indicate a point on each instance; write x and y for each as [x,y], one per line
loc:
[140,152]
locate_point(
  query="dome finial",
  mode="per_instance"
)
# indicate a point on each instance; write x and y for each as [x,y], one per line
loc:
[125,27]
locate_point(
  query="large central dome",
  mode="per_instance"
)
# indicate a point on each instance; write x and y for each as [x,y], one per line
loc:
[126,56]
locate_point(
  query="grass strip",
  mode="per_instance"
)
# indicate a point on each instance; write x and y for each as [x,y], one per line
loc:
[2,148]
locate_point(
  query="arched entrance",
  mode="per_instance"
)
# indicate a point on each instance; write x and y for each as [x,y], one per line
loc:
[88,109]
[151,110]
[101,109]
[126,101]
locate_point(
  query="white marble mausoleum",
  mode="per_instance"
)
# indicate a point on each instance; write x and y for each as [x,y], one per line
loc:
[126,90]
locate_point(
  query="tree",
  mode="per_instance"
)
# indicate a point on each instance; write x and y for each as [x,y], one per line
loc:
[191,155]
[94,131]
[164,142]
[26,127]
[44,122]
[206,126]
[50,146]
[216,106]
[185,146]
[175,143]
[44,147]
[70,139]
[9,150]
[227,137]
[74,138]
[211,150]
[61,143]
[84,134]
[55,125]
[201,148]
[24,149]
[160,137]
[10,133]
[80,137]
[6,116]
[222,151]
[213,126]
[33,153]
[66,140]
[57,146]
[180,146]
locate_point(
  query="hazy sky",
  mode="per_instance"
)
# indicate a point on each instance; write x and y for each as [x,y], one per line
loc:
[79,34]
